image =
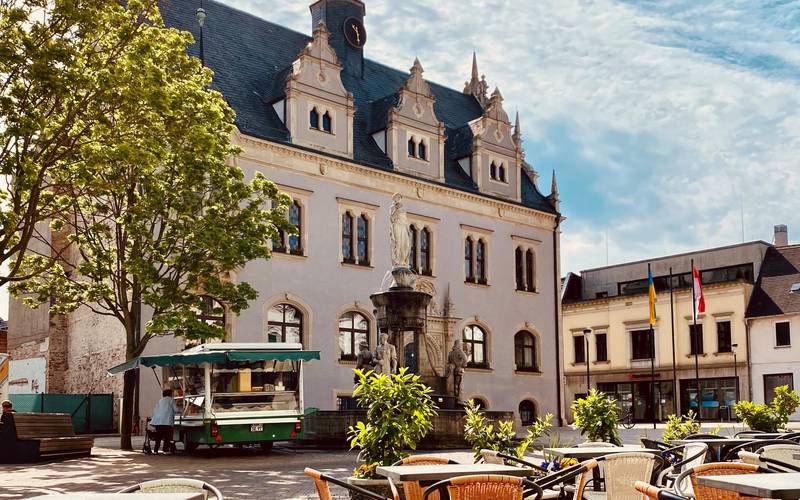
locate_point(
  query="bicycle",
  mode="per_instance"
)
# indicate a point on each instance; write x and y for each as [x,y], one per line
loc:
[626,420]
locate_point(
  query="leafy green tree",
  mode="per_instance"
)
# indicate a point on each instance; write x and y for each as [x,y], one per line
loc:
[152,209]
[483,434]
[772,417]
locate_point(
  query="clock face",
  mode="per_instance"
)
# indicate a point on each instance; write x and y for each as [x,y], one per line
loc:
[354,33]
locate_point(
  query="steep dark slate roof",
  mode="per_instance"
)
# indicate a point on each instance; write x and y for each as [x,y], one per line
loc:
[772,295]
[251,59]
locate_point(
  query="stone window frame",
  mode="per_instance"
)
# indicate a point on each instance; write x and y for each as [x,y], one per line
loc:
[526,245]
[500,172]
[536,347]
[321,111]
[301,197]
[488,343]
[421,223]
[353,330]
[477,234]
[357,209]
[535,405]
[418,139]
[306,332]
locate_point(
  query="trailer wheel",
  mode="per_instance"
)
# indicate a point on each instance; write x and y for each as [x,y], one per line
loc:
[266,446]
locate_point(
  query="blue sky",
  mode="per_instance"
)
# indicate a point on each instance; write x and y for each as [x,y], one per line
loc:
[665,120]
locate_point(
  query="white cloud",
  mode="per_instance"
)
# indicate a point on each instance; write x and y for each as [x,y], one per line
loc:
[675,111]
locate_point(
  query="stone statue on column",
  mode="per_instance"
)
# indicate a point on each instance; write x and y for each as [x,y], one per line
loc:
[456,362]
[385,357]
[365,361]
[400,243]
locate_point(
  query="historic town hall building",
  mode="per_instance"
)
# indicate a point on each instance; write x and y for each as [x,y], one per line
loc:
[341,134]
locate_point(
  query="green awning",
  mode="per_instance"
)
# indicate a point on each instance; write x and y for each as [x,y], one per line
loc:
[217,357]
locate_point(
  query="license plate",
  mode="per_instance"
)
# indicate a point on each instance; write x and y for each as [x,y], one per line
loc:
[257,428]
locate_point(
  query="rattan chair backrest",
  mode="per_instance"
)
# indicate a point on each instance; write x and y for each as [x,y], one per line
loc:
[713,469]
[657,493]
[480,486]
[175,485]
[322,483]
[622,470]
[783,452]
[424,460]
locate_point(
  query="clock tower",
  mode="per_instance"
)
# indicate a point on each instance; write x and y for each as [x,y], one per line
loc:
[345,22]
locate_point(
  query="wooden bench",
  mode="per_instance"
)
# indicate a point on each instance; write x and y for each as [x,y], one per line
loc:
[31,437]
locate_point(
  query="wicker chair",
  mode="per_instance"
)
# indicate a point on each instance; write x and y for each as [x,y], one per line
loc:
[412,489]
[657,493]
[175,485]
[653,444]
[578,475]
[321,481]
[748,434]
[693,454]
[596,444]
[756,444]
[497,458]
[713,469]
[484,486]
[692,437]
[783,452]
[621,470]
[775,464]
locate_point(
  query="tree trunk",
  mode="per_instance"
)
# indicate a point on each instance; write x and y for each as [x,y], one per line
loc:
[129,383]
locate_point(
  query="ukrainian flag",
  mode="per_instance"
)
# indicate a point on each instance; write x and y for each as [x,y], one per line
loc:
[651,292]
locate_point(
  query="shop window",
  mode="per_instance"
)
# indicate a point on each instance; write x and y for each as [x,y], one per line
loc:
[475,346]
[783,336]
[723,336]
[527,412]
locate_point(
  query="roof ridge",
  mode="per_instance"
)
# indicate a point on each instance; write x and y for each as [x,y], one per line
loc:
[250,14]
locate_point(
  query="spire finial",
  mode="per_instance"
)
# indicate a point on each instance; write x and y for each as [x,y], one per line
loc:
[417,67]
[474,66]
[476,86]
[554,186]
[517,130]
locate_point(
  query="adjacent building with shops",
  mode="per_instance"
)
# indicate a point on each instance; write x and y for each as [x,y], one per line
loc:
[773,321]
[341,133]
[606,327]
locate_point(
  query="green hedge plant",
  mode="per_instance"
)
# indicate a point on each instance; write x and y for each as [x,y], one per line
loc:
[597,416]
[680,426]
[483,434]
[399,414]
[772,418]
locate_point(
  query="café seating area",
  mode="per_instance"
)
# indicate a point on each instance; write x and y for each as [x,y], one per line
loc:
[698,467]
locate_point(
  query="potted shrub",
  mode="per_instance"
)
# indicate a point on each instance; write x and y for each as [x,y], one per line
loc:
[482,434]
[597,416]
[680,426]
[772,418]
[399,414]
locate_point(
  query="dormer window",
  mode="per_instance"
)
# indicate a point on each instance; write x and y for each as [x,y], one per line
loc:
[493,171]
[417,149]
[501,172]
[422,151]
[313,119]
[412,148]
[327,122]
[498,172]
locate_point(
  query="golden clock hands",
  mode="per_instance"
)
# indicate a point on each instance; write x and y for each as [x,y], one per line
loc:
[357,32]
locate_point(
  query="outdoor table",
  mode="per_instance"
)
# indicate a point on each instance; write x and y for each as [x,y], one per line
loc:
[433,473]
[784,485]
[582,454]
[716,445]
[116,496]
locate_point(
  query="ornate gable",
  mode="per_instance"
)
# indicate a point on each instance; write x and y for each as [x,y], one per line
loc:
[319,109]
[414,135]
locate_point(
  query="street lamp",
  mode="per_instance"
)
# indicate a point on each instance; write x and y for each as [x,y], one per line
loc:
[735,372]
[586,334]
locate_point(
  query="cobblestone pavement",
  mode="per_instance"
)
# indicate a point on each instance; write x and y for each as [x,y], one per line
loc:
[240,474]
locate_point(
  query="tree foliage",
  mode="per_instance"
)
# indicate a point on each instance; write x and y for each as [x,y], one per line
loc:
[680,426]
[597,416]
[152,210]
[483,434]
[772,417]
[399,414]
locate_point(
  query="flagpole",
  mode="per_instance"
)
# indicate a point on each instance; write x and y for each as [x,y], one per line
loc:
[696,350]
[652,358]
[674,361]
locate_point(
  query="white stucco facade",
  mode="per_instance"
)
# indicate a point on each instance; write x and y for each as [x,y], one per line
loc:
[771,361]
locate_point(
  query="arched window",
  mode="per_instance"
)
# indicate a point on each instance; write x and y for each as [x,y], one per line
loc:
[353,329]
[480,403]
[347,237]
[327,122]
[519,262]
[412,148]
[475,345]
[530,268]
[295,219]
[425,252]
[422,150]
[480,261]
[313,119]
[468,269]
[285,324]
[527,412]
[493,171]
[363,240]
[525,351]
[211,311]
[412,257]
[501,172]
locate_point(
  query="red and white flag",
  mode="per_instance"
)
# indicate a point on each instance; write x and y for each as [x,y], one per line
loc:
[699,299]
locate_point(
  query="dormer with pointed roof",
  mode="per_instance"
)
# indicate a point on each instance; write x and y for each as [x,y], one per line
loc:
[413,137]
[497,157]
[318,108]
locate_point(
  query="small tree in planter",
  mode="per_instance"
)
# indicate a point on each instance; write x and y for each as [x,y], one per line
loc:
[482,434]
[680,426]
[399,414]
[772,418]
[597,416]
